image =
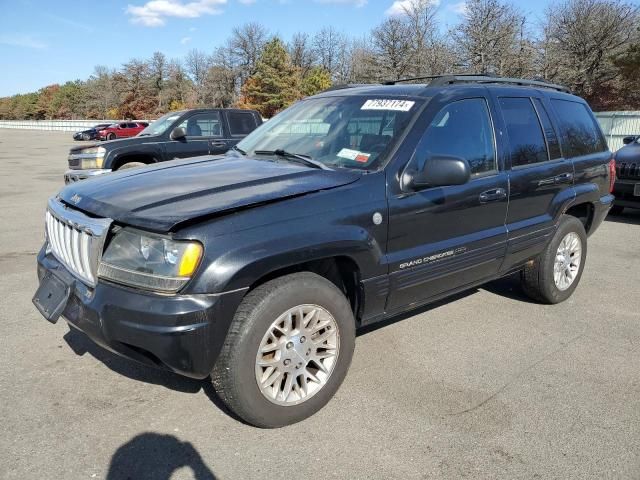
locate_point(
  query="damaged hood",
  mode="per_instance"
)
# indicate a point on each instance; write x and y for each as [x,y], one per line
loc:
[162,196]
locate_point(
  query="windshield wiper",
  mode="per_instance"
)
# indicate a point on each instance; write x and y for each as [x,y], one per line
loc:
[294,156]
[239,150]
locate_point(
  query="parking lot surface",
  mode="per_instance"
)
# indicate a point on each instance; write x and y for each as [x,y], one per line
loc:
[484,385]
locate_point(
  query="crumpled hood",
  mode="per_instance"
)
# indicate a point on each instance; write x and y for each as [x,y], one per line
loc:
[162,196]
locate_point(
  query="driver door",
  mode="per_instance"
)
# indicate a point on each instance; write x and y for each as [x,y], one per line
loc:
[204,130]
[443,238]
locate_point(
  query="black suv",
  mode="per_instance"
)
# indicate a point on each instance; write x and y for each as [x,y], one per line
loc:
[188,133]
[627,187]
[348,208]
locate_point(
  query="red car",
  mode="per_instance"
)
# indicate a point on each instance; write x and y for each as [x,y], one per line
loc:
[122,130]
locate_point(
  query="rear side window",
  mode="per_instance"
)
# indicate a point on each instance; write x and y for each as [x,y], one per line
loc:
[203,125]
[527,143]
[553,144]
[241,123]
[579,132]
[463,129]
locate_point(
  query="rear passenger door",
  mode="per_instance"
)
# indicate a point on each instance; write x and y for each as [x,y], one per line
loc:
[540,178]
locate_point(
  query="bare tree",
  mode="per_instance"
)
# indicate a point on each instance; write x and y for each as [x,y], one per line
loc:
[301,52]
[158,66]
[487,39]
[581,39]
[331,49]
[197,65]
[246,45]
[392,45]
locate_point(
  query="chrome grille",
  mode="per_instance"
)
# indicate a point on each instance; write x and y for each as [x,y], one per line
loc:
[628,170]
[76,240]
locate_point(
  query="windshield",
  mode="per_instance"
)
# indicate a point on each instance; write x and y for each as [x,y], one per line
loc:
[160,125]
[353,132]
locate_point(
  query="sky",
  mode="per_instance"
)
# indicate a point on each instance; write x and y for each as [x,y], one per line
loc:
[44,42]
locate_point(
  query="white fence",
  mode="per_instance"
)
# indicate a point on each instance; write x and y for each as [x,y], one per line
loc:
[54,125]
[617,125]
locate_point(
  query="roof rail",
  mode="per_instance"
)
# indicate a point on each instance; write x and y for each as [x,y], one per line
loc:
[426,77]
[346,85]
[440,80]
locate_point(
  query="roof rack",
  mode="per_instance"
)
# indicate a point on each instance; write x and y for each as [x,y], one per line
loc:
[440,80]
[346,85]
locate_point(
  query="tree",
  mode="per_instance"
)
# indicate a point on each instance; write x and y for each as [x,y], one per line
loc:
[275,84]
[246,46]
[583,38]
[158,72]
[488,37]
[301,52]
[316,80]
[392,44]
[197,65]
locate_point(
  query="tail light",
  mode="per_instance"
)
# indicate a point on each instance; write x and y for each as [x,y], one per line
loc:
[612,174]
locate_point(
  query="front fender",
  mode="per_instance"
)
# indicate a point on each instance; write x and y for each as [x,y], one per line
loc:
[245,262]
[152,151]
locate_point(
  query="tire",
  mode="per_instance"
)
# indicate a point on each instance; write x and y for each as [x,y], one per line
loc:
[86,137]
[111,136]
[132,165]
[538,279]
[616,210]
[236,373]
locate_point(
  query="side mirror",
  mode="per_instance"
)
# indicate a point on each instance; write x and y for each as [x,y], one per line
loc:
[628,140]
[178,133]
[439,171]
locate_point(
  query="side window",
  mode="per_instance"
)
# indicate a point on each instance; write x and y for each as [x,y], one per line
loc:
[463,129]
[241,123]
[526,141]
[203,125]
[122,125]
[549,132]
[580,134]
[132,125]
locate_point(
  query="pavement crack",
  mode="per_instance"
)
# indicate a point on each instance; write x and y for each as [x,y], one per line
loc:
[518,375]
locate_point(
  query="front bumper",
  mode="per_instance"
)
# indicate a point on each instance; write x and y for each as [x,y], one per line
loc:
[624,190]
[180,333]
[71,176]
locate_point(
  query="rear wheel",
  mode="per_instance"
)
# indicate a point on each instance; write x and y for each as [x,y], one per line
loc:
[616,210]
[111,136]
[86,137]
[287,351]
[555,274]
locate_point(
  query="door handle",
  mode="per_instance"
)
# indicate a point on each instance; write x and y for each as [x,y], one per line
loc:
[564,178]
[547,181]
[493,195]
[218,143]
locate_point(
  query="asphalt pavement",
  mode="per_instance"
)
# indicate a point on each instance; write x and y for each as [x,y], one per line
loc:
[483,385]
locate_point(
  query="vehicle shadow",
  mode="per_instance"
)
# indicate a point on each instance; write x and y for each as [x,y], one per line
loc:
[156,456]
[81,344]
[629,216]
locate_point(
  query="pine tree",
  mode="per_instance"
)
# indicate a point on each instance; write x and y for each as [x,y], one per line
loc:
[276,83]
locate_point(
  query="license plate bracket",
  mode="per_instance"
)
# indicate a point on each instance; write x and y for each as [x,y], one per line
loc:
[52,296]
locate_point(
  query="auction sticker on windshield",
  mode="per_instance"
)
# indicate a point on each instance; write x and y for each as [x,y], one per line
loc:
[387,104]
[354,155]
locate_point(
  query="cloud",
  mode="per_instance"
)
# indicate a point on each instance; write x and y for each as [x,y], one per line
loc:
[459,8]
[185,40]
[400,7]
[22,40]
[155,12]
[355,3]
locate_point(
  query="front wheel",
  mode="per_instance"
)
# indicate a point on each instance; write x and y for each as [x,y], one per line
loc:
[111,136]
[287,351]
[555,274]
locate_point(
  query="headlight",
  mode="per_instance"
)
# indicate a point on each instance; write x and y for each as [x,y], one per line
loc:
[149,261]
[88,158]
